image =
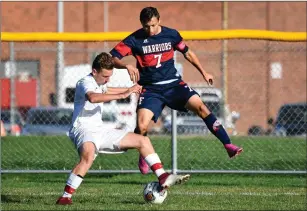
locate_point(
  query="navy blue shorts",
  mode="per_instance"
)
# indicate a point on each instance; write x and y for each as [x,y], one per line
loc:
[174,95]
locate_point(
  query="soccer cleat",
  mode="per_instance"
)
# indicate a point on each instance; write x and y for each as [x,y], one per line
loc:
[166,180]
[233,150]
[64,201]
[143,166]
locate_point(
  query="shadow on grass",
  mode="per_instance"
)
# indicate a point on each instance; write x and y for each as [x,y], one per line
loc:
[9,199]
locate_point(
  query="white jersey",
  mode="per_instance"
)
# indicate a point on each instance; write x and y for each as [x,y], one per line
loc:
[86,114]
[87,125]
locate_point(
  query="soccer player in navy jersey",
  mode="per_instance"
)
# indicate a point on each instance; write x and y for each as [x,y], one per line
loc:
[153,47]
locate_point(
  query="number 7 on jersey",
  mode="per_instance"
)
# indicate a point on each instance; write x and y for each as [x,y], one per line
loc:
[159,59]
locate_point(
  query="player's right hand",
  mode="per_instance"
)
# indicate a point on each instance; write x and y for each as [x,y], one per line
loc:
[209,79]
[135,89]
[134,73]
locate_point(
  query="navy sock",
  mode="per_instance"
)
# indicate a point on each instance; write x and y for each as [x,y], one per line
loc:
[217,129]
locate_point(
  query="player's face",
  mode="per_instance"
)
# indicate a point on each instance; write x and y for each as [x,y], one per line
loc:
[103,76]
[152,27]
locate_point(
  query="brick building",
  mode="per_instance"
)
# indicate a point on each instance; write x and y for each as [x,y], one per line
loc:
[251,88]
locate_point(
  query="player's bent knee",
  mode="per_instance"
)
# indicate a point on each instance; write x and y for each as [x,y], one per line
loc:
[146,140]
[87,153]
[87,160]
[141,129]
[143,141]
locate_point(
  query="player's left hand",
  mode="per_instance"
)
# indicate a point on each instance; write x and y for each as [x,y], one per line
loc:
[209,79]
[134,73]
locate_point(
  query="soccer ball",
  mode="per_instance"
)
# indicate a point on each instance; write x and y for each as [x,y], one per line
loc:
[154,193]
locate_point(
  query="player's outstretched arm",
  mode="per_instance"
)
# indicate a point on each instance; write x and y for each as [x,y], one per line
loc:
[105,97]
[117,90]
[133,71]
[192,58]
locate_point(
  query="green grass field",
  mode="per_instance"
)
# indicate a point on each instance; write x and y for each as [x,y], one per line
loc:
[124,191]
[194,153]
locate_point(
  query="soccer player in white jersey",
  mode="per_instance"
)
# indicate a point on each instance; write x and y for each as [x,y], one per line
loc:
[90,137]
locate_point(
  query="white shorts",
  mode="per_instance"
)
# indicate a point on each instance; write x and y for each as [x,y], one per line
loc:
[105,140]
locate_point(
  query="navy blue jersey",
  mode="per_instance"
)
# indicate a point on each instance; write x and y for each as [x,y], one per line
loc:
[154,54]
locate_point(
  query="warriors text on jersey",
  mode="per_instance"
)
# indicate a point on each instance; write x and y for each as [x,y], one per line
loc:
[154,54]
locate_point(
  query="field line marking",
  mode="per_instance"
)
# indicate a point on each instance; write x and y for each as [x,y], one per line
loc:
[199,193]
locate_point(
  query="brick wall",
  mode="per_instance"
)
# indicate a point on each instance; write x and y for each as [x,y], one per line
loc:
[250,89]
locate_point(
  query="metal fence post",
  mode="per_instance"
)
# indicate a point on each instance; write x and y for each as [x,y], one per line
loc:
[12,85]
[60,55]
[174,142]
[174,134]
[224,62]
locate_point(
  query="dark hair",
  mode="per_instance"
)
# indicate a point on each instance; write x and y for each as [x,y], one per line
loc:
[103,61]
[148,13]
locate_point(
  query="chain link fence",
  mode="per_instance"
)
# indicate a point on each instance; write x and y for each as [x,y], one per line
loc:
[259,95]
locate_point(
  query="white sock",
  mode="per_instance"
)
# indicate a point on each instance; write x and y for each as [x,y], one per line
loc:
[73,182]
[155,164]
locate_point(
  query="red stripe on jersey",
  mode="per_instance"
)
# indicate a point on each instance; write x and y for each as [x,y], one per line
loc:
[156,166]
[123,49]
[153,59]
[181,46]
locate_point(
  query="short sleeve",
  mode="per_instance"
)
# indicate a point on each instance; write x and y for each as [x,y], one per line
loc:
[124,48]
[104,88]
[87,86]
[179,44]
